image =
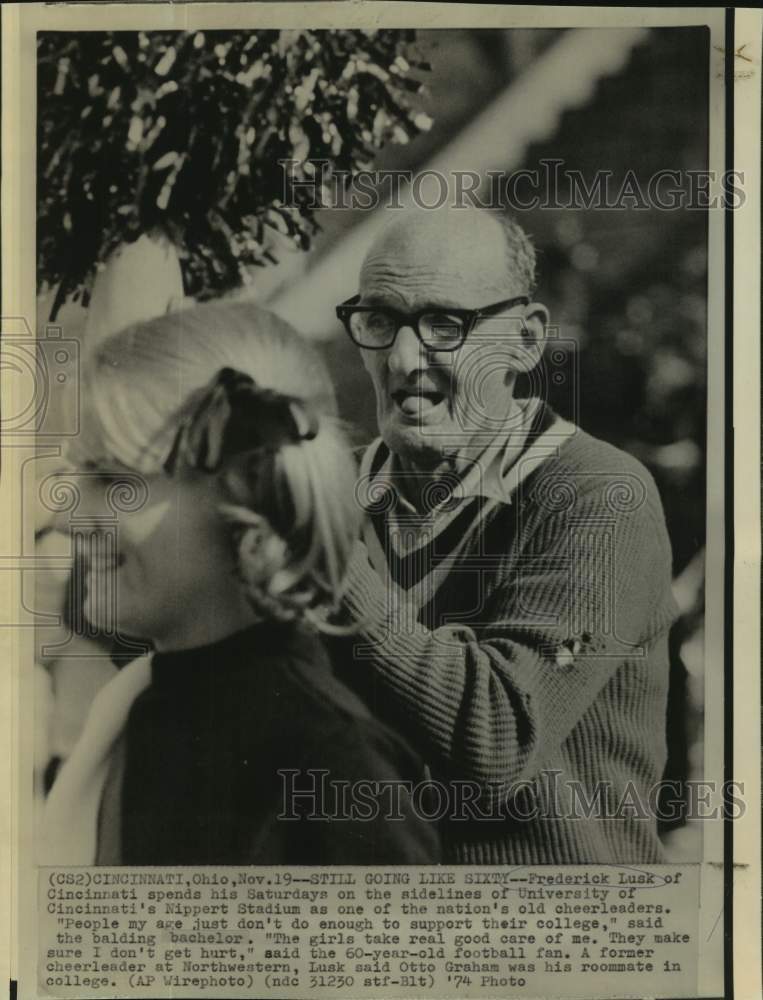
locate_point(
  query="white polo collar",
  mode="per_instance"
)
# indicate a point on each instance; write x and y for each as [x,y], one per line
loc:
[494,474]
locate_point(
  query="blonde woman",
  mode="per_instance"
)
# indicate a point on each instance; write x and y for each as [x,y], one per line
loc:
[231,743]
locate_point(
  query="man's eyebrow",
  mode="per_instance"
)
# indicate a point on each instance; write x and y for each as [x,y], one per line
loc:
[438,307]
[375,300]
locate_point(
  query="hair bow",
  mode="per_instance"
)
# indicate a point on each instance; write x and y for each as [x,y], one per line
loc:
[232,415]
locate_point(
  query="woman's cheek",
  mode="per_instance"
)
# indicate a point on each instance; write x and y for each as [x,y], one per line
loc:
[145,523]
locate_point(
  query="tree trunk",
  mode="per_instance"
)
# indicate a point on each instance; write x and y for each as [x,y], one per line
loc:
[141,280]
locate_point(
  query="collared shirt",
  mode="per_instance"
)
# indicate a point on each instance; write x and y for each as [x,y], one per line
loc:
[413,550]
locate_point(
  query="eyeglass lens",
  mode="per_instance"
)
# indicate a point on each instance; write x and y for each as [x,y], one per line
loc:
[379,328]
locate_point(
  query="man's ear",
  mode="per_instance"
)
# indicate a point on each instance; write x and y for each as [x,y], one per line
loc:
[534,325]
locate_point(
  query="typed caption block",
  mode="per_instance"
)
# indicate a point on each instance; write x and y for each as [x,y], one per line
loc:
[297,933]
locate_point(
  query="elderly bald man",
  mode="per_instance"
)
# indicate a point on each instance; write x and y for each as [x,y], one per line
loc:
[514,581]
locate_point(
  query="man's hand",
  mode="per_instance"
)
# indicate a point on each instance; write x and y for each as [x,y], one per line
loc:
[374,602]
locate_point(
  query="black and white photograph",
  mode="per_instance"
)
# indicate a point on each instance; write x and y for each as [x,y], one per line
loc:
[522,472]
[372,454]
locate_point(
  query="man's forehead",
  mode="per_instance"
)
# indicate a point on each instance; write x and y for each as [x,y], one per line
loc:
[436,257]
[438,235]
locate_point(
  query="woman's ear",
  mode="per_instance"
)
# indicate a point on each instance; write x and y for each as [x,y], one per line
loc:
[534,325]
[260,551]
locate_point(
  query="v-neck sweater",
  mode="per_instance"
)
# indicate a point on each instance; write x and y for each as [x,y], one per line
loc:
[522,646]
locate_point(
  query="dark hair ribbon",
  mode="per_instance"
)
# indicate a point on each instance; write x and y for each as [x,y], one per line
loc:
[233,415]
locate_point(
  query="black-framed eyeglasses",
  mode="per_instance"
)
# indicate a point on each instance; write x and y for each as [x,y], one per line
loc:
[375,328]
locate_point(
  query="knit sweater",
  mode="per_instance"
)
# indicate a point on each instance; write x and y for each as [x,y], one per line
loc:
[532,669]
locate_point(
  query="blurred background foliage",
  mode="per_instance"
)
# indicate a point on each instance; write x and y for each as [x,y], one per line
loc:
[183,132]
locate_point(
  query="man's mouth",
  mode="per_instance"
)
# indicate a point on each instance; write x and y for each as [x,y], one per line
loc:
[415,402]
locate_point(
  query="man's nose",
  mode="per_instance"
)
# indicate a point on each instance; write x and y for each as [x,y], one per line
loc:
[407,354]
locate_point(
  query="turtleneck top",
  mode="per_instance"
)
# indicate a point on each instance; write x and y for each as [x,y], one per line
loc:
[222,737]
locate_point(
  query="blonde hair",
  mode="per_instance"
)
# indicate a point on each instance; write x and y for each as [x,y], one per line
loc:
[292,507]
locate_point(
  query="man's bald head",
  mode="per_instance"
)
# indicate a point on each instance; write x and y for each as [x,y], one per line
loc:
[471,253]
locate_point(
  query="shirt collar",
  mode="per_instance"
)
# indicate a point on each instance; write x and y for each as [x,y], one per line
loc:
[487,475]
